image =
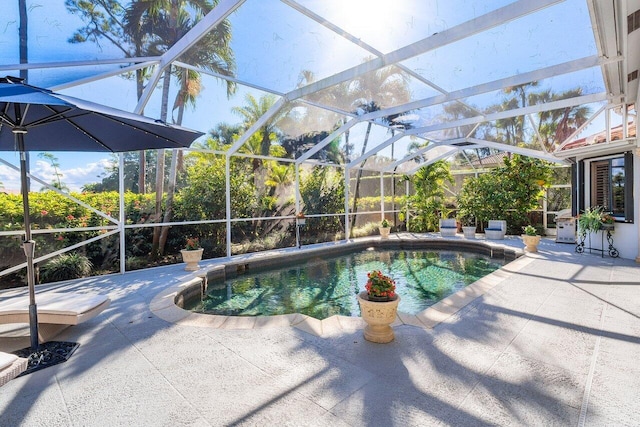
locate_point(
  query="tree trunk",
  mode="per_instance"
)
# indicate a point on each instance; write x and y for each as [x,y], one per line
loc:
[171,187]
[168,213]
[155,247]
[180,159]
[158,209]
[142,168]
[356,192]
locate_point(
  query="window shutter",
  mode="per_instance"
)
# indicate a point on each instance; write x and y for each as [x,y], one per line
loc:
[579,190]
[600,185]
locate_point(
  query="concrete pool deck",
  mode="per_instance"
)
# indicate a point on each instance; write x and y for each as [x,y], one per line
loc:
[555,340]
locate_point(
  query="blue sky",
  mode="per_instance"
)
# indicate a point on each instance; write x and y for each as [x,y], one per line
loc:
[272,44]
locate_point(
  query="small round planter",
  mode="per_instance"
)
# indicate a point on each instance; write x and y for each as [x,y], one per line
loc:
[192,258]
[379,317]
[469,231]
[531,243]
[384,232]
[301,221]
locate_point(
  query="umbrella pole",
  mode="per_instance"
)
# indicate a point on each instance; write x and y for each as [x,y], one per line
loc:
[28,244]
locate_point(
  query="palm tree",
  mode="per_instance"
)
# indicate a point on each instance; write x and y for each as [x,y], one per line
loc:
[371,92]
[557,125]
[428,199]
[109,20]
[252,111]
[318,124]
[165,22]
[279,175]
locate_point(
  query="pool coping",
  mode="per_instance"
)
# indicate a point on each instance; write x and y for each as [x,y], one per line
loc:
[167,304]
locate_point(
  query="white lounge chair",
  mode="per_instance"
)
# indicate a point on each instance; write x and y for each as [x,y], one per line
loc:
[448,227]
[56,310]
[11,366]
[496,229]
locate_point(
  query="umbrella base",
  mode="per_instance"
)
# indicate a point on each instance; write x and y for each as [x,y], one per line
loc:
[48,354]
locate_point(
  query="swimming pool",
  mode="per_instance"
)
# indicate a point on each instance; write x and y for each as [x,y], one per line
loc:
[321,287]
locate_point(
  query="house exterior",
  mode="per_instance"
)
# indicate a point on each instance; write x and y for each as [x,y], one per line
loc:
[606,173]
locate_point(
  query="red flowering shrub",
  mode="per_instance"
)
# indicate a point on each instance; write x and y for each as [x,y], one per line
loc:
[380,285]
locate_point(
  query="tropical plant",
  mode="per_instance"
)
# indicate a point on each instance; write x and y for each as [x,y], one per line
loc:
[109,20]
[555,126]
[166,22]
[322,191]
[428,204]
[371,92]
[384,223]
[253,111]
[65,267]
[530,230]
[509,191]
[466,220]
[592,218]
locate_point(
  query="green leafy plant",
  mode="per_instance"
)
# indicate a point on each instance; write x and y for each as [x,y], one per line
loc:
[65,267]
[380,285]
[467,220]
[530,230]
[507,192]
[428,203]
[591,219]
[384,223]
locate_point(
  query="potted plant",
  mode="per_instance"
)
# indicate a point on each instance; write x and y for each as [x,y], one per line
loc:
[192,254]
[531,238]
[607,221]
[301,219]
[594,219]
[379,307]
[468,227]
[385,229]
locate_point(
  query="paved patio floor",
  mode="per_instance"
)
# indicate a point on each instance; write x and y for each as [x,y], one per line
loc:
[555,342]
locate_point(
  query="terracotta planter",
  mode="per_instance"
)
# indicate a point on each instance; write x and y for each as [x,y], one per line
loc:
[531,243]
[192,258]
[379,317]
[384,232]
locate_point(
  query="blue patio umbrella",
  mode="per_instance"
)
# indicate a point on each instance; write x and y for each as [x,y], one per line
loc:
[37,119]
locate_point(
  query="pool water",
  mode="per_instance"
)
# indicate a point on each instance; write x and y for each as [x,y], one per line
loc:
[323,287]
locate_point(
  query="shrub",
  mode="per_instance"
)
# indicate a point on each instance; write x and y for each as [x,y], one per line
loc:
[65,267]
[369,229]
[508,192]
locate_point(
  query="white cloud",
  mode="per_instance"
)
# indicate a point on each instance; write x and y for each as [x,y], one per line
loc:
[74,178]
[9,179]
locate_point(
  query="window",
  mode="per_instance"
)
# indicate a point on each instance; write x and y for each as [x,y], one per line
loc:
[611,186]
